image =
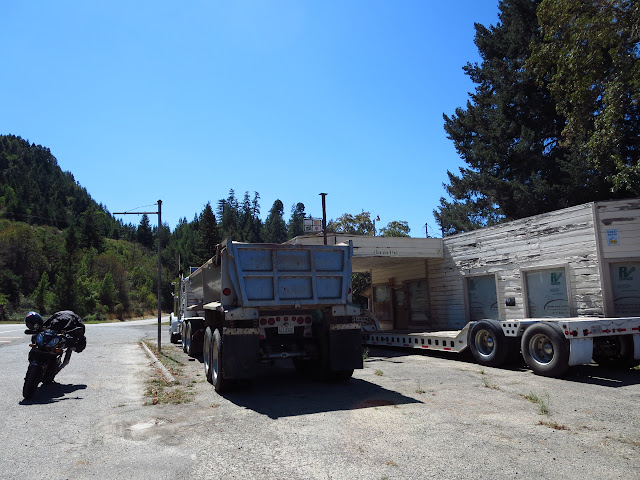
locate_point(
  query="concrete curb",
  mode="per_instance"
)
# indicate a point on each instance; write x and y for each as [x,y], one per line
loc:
[158,364]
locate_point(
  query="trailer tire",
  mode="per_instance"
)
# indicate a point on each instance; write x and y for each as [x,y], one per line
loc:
[207,348]
[217,366]
[545,349]
[618,352]
[488,343]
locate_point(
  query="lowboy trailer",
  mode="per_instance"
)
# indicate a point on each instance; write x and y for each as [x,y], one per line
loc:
[549,347]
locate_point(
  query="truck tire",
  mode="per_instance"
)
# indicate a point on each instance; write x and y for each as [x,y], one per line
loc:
[614,352]
[488,343]
[545,350]
[189,340]
[217,367]
[183,334]
[207,348]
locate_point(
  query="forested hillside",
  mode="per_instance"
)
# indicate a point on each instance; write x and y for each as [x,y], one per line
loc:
[59,249]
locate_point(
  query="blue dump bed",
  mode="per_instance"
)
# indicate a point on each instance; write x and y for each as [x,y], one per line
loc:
[276,275]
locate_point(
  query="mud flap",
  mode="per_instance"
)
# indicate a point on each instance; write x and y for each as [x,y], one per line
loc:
[345,349]
[240,356]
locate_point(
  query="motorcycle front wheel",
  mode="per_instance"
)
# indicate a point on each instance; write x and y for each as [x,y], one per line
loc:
[31,381]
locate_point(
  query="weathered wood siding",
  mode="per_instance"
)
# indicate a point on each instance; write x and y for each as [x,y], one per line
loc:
[563,239]
[618,230]
[622,219]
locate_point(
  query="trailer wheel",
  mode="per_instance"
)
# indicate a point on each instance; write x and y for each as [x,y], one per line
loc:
[488,344]
[614,352]
[207,348]
[545,350]
[217,366]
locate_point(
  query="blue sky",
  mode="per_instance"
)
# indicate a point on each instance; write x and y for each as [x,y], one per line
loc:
[182,101]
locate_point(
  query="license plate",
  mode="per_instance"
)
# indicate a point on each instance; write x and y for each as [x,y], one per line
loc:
[285,330]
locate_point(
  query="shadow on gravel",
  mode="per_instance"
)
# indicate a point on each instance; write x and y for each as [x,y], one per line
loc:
[53,393]
[282,392]
[589,374]
[602,376]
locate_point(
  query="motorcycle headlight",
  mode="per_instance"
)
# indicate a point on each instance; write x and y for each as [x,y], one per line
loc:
[53,342]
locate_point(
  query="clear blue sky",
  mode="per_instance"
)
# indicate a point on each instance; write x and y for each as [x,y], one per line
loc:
[182,101]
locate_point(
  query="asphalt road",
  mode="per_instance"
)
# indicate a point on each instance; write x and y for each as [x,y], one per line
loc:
[402,417]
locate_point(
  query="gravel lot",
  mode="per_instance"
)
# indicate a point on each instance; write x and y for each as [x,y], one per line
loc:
[401,417]
[408,416]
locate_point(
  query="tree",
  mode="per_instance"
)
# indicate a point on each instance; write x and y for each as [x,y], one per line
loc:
[144,234]
[590,59]
[296,222]
[396,229]
[229,217]
[208,236]
[275,230]
[360,224]
[509,135]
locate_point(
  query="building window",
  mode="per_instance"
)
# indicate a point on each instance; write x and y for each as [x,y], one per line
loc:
[547,293]
[625,286]
[482,297]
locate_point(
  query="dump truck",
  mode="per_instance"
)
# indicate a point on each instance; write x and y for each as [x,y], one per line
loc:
[255,303]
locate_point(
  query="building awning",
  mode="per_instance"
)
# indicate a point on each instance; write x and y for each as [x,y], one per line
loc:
[372,252]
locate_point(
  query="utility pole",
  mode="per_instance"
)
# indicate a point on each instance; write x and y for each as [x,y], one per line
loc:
[324,217]
[159,213]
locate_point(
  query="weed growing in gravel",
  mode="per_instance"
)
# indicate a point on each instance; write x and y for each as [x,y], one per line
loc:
[541,401]
[365,354]
[379,373]
[420,390]
[161,391]
[391,463]
[489,384]
[554,425]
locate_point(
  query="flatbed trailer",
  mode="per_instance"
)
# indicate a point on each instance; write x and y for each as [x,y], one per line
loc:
[548,346]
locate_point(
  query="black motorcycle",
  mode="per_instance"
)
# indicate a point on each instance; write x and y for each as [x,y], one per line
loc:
[46,357]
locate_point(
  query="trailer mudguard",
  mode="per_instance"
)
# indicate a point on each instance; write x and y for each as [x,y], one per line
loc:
[239,356]
[345,349]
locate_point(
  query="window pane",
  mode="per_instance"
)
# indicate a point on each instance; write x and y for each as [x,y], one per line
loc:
[625,285]
[547,294]
[482,297]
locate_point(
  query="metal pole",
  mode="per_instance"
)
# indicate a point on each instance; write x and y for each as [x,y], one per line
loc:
[159,275]
[324,217]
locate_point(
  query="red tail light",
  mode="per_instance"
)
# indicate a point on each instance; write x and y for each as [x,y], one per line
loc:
[307,320]
[263,321]
[300,320]
[226,292]
[272,321]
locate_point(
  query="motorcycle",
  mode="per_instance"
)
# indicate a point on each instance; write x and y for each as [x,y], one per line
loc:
[46,357]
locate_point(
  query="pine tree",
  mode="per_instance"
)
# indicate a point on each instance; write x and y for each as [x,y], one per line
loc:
[296,222]
[275,229]
[509,135]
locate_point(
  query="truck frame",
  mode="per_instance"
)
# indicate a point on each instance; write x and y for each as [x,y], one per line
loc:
[548,346]
[255,303]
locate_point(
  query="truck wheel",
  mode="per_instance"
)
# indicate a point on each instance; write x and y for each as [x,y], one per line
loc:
[207,348]
[614,352]
[488,344]
[183,333]
[189,341]
[217,367]
[545,350]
